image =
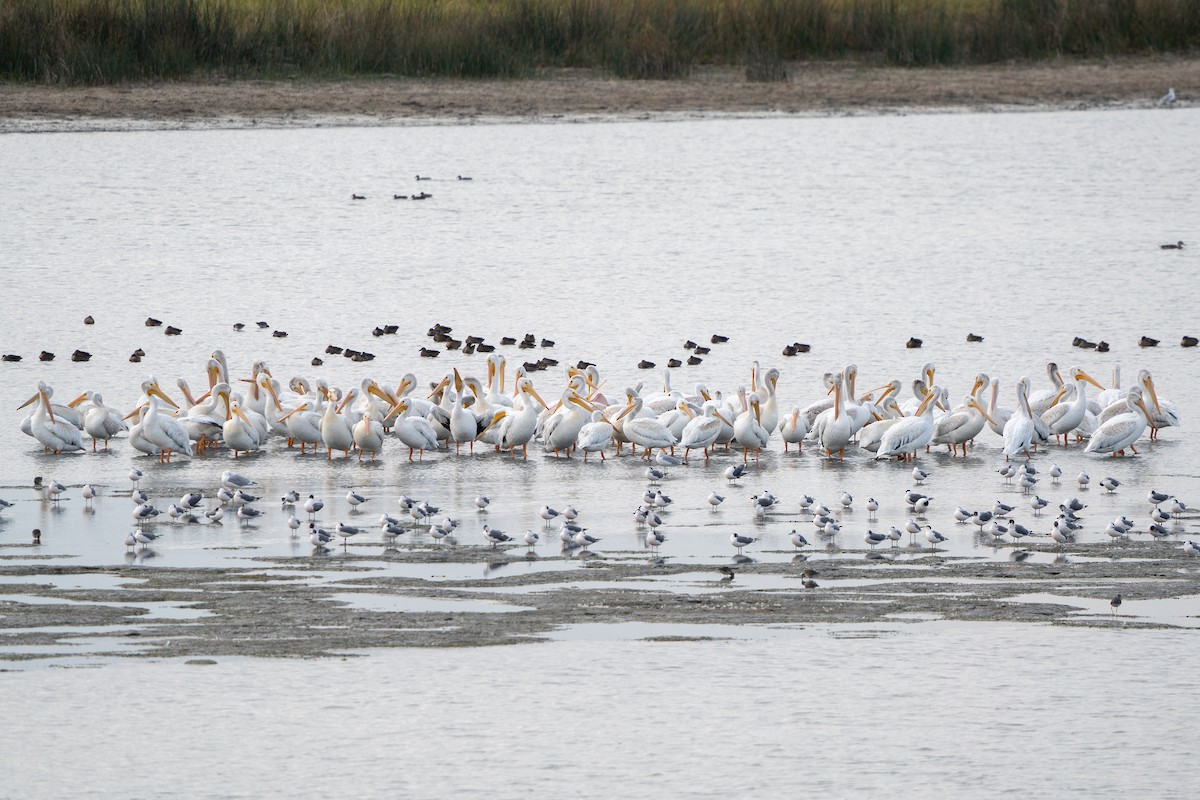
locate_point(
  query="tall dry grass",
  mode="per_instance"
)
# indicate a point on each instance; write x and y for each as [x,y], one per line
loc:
[100,41]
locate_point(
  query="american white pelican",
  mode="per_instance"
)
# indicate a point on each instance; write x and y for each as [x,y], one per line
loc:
[1019,430]
[1114,394]
[1062,418]
[239,432]
[871,435]
[833,432]
[910,434]
[562,427]
[1161,413]
[102,422]
[519,426]
[961,426]
[54,434]
[61,413]
[368,435]
[703,431]
[303,426]
[793,429]
[1042,399]
[813,410]
[677,418]
[769,410]
[748,430]
[646,431]
[415,432]
[464,426]
[335,430]
[1122,430]
[595,436]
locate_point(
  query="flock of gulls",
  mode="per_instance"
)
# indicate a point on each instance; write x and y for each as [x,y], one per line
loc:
[664,426]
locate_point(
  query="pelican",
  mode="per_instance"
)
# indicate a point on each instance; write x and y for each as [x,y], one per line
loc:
[415,432]
[1042,399]
[646,431]
[562,427]
[335,430]
[872,434]
[1019,430]
[54,434]
[792,428]
[59,413]
[1062,418]
[748,430]
[1161,413]
[102,422]
[702,431]
[464,427]
[595,436]
[519,426]
[239,432]
[911,433]
[998,416]
[962,426]
[834,431]
[1122,430]
[813,410]
[303,426]
[769,412]
[368,435]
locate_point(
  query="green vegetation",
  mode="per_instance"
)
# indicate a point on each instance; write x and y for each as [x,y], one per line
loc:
[103,41]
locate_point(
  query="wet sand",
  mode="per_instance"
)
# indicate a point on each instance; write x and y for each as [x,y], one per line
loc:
[812,88]
[252,612]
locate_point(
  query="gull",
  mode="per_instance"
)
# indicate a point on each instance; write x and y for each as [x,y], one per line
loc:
[495,536]
[663,459]
[5,504]
[1038,503]
[224,496]
[138,497]
[215,514]
[312,505]
[294,522]
[88,492]
[135,475]
[846,500]
[962,515]
[1110,484]
[872,507]
[662,501]
[919,475]
[715,500]
[1074,505]
[439,533]
[144,537]
[241,498]
[654,474]
[1061,535]
[739,541]
[130,540]
[933,537]
[56,489]
[1008,471]
[998,529]
[482,502]
[1018,531]
[895,534]
[1159,516]
[760,513]
[1000,509]
[912,526]
[1124,523]
[798,539]
[1177,507]
[144,513]
[233,481]
[922,505]
[248,513]
[531,538]
[1083,479]
[1158,531]
[346,531]
[191,500]
[1027,481]
[290,499]
[1115,531]
[806,502]
[1055,472]
[566,536]
[390,532]
[547,513]
[1158,497]
[386,519]
[1168,99]
[1191,548]
[570,513]
[319,536]
[765,500]
[174,511]
[640,515]
[912,498]
[585,540]
[983,518]
[355,499]
[873,538]
[735,472]
[653,520]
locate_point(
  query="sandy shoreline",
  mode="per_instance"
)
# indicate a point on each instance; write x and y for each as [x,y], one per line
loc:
[812,89]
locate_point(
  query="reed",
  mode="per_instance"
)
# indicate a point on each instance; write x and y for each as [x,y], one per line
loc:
[101,41]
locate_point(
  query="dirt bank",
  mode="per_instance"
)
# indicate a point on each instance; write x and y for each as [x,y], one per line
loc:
[820,88]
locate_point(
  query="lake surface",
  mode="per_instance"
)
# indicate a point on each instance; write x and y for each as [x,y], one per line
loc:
[618,241]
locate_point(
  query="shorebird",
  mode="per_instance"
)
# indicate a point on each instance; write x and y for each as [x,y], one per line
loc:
[872,507]
[1083,479]
[1110,484]
[919,475]
[715,500]
[88,492]
[234,481]
[191,500]
[346,531]
[248,513]
[495,536]
[312,505]
[319,536]
[735,472]
[1191,548]
[1038,503]
[531,538]
[289,499]
[1115,603]
[1157,497]
[355,499]
[135,475]
[873,538]
[798,539]
[739,541]
[547,513]
[933,537]
[482,502]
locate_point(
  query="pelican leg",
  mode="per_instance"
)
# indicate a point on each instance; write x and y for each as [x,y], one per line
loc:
[93,445]
[602,455]
[525,452]
[1134,449]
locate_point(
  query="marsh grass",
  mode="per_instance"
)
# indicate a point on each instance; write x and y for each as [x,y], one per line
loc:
[102,41]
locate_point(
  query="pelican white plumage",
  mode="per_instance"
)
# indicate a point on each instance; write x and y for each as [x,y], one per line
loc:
[519,427]
[702,431]
[748,430]
[102,422]
[833,432]
[1161,413]
[1019,430]
[1042,399]
[595,436]
[303,425]
[961,426]
[239,432]
[910,434]
[415,432]
[562,427]
[645,431]
[1062,418]
[54,434]
[335,429]
[793,428]
[368,435]
[1121,430]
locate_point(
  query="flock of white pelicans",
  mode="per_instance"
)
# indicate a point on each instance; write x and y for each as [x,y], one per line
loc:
[462,410]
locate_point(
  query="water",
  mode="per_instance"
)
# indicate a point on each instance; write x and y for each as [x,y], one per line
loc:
[618,241]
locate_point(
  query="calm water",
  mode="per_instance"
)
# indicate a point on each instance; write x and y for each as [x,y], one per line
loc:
[619,241]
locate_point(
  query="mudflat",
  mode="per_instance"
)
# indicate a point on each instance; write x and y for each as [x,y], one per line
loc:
[810,88]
